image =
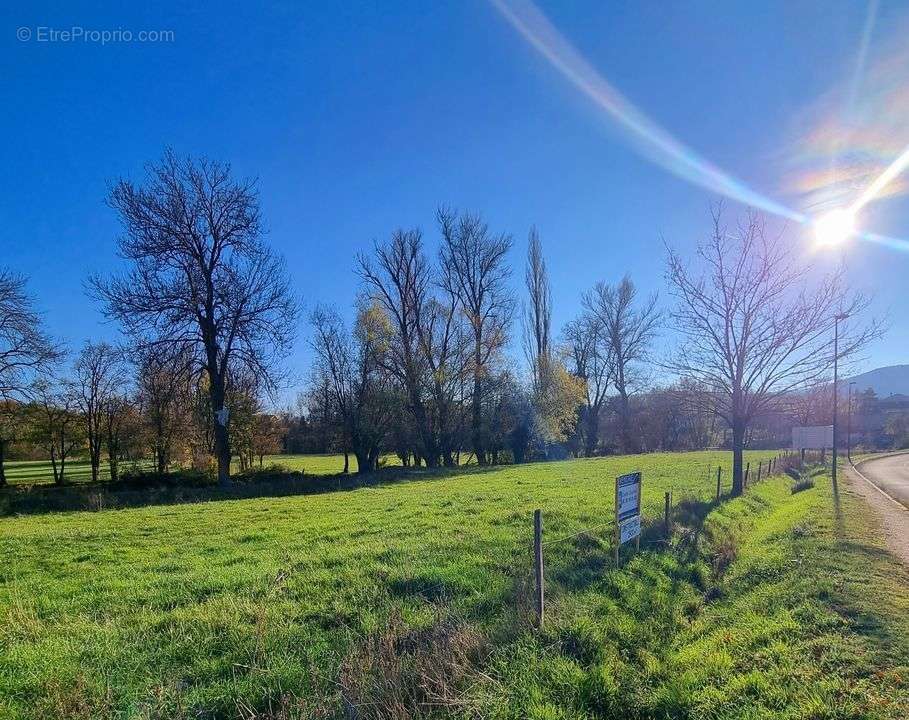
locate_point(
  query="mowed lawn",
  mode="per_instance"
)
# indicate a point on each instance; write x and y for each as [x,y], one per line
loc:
[329,464]
[40,472]
[259,607]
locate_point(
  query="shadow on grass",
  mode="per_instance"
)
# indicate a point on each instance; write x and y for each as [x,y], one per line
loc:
[183,488]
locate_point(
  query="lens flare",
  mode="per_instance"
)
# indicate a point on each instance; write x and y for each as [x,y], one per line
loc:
[835,227]
[882,180]
[657,144]
[884,241]
[651,139]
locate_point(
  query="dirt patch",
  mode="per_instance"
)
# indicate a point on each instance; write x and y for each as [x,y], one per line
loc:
[894,518]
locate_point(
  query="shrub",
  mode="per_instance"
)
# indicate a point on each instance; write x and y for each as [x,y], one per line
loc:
[805,483]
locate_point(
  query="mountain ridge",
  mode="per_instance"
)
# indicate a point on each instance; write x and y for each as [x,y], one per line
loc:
[885,381]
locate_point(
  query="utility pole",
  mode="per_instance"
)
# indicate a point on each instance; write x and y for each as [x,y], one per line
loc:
[836,398]
[849,425]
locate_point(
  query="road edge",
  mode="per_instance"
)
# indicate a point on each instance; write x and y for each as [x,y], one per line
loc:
[855,467]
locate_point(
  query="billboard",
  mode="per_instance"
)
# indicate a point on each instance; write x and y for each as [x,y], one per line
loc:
[816,437]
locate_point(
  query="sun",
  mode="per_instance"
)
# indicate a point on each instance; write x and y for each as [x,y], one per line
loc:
[835,227]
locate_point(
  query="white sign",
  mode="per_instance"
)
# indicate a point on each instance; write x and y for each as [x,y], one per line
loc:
[629,529]
[815,437]
[628,495]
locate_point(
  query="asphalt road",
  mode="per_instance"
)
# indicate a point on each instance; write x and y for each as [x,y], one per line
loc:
[890,474]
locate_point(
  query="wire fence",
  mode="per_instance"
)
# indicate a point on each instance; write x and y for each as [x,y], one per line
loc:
[575,557]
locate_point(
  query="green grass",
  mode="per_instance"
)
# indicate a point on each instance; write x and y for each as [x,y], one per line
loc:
[225,608]
[40,472]
[319,464]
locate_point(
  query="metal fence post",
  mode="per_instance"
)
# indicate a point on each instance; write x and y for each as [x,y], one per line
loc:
[666,513]
[719,475]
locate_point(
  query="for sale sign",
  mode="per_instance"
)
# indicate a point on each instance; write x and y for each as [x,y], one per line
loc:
[629,529]
[627,507]
[628,495]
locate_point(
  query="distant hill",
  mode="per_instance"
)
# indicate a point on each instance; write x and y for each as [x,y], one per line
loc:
[885,381]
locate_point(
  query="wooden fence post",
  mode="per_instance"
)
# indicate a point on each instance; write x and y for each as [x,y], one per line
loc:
[538,562]
[747,473]
[617,531]
[719,475]
[666,513]
[760,467]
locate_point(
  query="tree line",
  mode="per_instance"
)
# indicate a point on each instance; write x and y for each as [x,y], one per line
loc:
[423,369]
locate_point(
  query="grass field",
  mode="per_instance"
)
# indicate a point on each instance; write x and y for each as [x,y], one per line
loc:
[39,472]
[416,592]
[321,464]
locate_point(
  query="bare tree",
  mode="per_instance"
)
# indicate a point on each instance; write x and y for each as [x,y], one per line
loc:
[268,431]
[426,351]
[165,394]
[591,360]
[98,376]
[474,271]
[201,279]
[537,316]
[56,425]
[11,425]
[630,329]
[25,350]
[752,331]
[352,365]
[122,429]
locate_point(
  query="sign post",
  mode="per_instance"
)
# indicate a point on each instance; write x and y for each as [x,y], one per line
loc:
[627,511]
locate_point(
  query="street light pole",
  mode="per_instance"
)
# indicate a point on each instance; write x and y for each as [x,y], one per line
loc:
[849,425]
[836,399]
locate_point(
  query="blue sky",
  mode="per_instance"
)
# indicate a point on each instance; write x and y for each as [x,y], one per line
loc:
[362,117]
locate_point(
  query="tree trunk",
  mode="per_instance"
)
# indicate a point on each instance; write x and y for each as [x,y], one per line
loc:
[738,448]
[346,461]
[362,456]
[477,409]
[628,444]
[592,430]
[221,419]
[95,458]
[58,480]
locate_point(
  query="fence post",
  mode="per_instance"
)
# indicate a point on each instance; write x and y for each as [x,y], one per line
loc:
[760,467]
[666,513]
[719,475]
[617,531]
[747,473]
[538,562]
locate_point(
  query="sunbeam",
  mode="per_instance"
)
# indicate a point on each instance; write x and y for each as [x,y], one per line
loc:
[882,180]
[888,242]
[658,145]
[652,140]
